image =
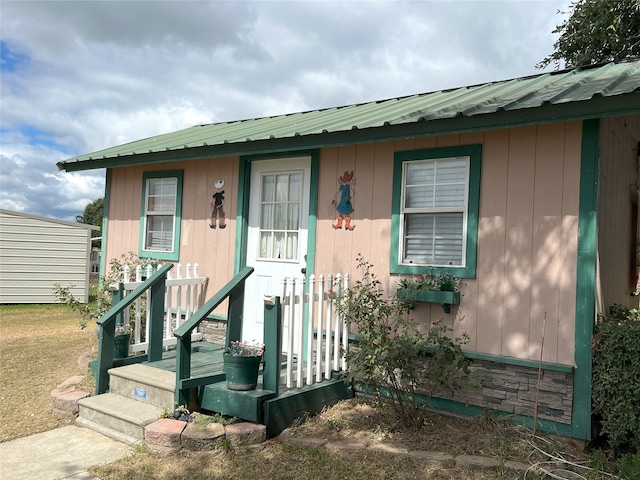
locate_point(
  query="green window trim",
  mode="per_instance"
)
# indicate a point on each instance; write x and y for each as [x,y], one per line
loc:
[474,152]
[174,254]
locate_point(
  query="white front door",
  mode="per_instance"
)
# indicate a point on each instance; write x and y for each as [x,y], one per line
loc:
[277,233]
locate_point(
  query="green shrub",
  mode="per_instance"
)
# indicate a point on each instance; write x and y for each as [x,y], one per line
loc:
[402,366]
[629,466]
[616,379]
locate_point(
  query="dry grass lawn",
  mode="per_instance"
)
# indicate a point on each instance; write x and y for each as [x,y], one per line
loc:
[356,421]
[39,348]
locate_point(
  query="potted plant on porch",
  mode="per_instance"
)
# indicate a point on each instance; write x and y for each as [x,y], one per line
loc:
[442,288]
[242,364]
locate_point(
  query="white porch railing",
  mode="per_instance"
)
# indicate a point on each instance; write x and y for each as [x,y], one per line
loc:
[315,352]
[183,296]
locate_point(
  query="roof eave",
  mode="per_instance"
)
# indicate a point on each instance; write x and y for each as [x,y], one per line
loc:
[596,107]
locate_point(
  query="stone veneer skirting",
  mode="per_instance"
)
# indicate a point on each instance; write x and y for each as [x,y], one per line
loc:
[502,386]
[512,389]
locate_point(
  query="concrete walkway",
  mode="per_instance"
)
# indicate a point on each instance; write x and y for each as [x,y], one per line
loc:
[64,453]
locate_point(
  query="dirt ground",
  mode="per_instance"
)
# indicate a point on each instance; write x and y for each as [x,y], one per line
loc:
[357,421]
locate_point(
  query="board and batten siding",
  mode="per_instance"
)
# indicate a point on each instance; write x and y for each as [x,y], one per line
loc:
[527,231]
[617,211]
[211,249]
[36,252]
[527,235]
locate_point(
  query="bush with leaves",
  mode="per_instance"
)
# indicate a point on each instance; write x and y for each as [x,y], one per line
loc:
[402,365]
[616,379]
[102,298]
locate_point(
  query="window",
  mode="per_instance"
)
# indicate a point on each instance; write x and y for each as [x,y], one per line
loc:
[280,208]
[160,219]
[435,210]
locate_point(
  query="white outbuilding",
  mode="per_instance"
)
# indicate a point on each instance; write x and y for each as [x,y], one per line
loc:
[36,252]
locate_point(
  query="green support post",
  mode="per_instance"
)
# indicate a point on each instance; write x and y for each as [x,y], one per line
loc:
[183,368]
[273,344]
[116,296]
[234,316]
[156,307]
[106,335]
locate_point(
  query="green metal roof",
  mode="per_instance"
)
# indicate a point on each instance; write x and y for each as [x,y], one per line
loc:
[610,89]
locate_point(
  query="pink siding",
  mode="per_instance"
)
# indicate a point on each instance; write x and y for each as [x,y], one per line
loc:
[527,237]
[618,209]
[527,234]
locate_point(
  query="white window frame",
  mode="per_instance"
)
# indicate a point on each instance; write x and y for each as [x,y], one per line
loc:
[463,209]
[471,215]
[172,252]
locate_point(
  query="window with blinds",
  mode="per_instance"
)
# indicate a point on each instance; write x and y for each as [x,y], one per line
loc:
[161,214]
[434,211]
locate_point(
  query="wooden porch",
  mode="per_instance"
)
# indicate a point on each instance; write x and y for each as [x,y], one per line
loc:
[290,385]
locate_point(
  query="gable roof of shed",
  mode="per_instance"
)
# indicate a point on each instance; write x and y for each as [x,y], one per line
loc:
[588,92]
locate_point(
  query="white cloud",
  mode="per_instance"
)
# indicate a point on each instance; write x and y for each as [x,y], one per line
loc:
[95,74]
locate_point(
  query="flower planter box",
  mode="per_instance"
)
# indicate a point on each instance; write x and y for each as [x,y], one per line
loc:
[446,299]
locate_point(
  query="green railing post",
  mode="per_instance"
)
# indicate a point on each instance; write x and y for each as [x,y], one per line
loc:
[273,344]
[106,335]
[183,368]
[116,296]
[156,307]
[234,316]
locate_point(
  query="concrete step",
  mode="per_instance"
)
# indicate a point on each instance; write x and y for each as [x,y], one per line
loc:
[117,417]
[144,384]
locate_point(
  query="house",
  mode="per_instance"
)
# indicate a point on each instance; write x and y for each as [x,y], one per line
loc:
[36,252]
[527,189]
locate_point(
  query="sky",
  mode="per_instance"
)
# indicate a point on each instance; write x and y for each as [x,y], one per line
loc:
[80,76]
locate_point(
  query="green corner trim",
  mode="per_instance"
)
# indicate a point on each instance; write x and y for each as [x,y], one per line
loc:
[586,278]
[474,152]
[105,224]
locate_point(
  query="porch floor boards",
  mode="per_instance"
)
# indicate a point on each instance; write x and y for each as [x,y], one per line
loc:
[206,359]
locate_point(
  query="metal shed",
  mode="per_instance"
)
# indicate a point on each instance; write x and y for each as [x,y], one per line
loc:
[36,252]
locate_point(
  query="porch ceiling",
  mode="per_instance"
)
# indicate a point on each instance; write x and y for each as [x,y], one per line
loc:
[602,90]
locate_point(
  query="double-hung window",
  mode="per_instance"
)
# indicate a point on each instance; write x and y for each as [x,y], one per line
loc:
[435,210]
[160,218]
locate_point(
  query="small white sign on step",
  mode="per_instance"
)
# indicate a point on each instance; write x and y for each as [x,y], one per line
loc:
[140,393]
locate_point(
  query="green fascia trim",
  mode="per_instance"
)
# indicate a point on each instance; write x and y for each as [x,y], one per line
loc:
[596,107]
[474,152]
[447,405]
[242,214]
[173,256]
[556,367]
[105,225]
[586,278]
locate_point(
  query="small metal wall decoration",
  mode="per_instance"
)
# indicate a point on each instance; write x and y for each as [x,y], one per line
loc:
[217,206]
[344,206]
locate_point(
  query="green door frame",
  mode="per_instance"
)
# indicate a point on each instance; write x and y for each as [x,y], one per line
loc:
[242,214]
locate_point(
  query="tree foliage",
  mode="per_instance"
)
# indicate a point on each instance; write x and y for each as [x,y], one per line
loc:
[596,31]
[92,214]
